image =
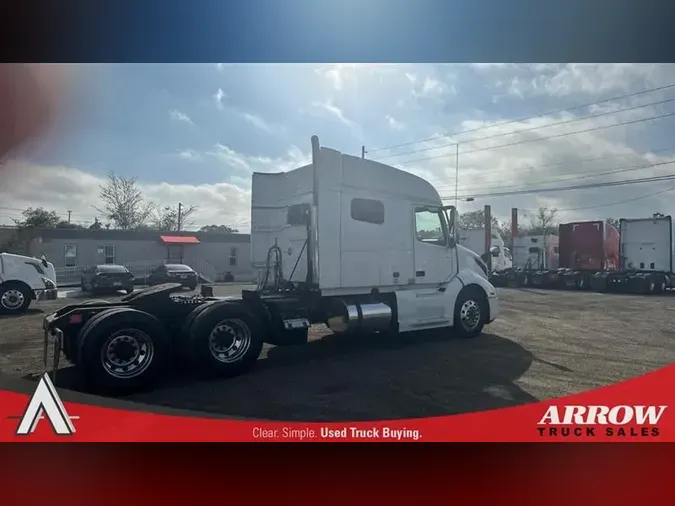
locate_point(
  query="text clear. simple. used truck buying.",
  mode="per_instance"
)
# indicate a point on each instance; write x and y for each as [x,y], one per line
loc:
[24,279]
[593,255]
[352,243]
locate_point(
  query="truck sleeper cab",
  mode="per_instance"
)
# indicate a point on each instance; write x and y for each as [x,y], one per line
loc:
[351,243]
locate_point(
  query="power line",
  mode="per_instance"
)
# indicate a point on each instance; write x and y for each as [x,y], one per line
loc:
[575,176]
[579,187]
[530,129]
[565,134]
[557,164]
[626,201]
[520,120]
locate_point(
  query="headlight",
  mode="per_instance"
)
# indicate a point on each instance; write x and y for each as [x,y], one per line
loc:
[49,284]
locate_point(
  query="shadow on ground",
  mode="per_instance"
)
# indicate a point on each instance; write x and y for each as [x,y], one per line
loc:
[357,378]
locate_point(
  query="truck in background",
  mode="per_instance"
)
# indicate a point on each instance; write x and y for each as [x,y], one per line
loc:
[23,280]
[594,255]
[538,252]
[474,240]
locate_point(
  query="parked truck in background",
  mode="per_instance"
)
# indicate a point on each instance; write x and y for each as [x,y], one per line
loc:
[538,252]
[474,240]
[24,279]
[351,243]
[594,255]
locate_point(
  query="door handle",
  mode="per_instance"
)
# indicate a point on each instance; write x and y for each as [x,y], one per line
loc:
[419,274]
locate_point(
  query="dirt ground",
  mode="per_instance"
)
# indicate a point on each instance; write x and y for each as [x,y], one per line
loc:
[545,344]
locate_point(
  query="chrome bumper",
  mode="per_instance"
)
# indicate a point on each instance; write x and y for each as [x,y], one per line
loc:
[47,294]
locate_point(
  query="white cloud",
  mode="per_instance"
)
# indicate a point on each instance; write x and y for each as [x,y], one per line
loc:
[400,104]
[262,124]
[218,97]
[179,116]
[394,123]
[328,108]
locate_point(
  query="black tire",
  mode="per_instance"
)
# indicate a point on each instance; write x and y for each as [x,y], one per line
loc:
[235,321]
[651,285]
[141,333]
[472,303]
[14,298]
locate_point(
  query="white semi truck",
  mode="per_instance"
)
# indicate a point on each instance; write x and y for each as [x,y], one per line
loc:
[344,241]
[23,280]
[535,252]
[475,241]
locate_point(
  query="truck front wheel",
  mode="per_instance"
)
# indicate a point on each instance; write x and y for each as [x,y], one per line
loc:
[225,340]
[15,298]
[471,312]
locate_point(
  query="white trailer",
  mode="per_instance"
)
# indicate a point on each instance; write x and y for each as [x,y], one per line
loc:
[345,241]
[645,256]
[24,279]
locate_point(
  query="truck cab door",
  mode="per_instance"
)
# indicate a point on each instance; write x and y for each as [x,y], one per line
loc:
[435,263]
[434,259]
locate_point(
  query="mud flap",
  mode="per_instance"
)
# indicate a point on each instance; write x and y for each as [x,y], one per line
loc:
[56,336]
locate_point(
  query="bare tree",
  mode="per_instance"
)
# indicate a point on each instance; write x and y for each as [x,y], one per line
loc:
[544,222]
[124,203]
[167,218]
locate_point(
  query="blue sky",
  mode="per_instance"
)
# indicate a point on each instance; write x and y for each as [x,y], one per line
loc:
[194,132]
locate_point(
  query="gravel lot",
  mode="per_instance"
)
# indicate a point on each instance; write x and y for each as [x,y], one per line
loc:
[546,344]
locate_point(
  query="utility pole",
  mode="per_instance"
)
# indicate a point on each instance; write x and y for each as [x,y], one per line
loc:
[180,216]
[363,151]
[69,216]
[456,172]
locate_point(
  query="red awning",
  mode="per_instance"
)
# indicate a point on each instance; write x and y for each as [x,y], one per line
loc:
[179,239]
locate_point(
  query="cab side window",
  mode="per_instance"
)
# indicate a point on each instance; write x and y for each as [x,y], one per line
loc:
[429,227]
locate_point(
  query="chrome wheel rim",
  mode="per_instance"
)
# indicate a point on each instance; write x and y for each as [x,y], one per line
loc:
[12,299]
[469,315]
[652,286]
[230,340]
[127,353]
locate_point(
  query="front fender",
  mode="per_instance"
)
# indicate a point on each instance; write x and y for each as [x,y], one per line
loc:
[468,277]
[472,278]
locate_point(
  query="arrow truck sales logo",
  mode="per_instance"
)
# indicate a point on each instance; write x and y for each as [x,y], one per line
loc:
[610,421]
[46,403]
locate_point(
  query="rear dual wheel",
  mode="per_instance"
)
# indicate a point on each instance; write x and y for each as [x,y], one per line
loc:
[122,350]
[223,339]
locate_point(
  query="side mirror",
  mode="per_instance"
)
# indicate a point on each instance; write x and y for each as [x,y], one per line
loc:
[451,242]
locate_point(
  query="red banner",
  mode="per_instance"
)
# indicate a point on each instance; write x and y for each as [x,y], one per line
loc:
[635,410]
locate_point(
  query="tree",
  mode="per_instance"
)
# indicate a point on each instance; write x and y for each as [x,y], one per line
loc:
[124,203]
[167,219]
[219,229]
[474,220]
[38,218]
[97,225]
[613,222]
[544,223]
